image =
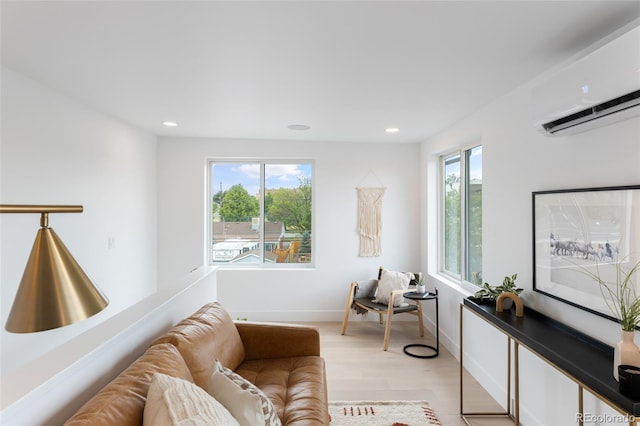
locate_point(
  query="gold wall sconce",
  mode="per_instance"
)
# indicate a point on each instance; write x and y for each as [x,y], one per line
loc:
[54,290]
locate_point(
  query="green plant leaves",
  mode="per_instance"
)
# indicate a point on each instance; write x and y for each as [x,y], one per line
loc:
[508,285]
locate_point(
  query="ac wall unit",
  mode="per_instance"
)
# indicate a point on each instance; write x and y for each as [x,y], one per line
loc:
[601,88]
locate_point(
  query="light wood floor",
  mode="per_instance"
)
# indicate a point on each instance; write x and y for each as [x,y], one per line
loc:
[358,369]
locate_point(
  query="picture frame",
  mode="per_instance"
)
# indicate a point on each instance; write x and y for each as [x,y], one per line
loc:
[593,230]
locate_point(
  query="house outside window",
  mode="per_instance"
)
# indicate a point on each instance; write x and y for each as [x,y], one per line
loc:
[461,229]
[261,212]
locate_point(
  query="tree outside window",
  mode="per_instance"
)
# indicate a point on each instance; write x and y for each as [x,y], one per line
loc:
[452,215]
[261,212]
[462,215]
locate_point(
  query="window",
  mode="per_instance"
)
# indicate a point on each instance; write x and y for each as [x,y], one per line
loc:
[261,212]
[462,215]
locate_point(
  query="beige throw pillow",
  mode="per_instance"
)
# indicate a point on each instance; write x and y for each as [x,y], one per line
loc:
[389,281]
[245,401]
[172,401]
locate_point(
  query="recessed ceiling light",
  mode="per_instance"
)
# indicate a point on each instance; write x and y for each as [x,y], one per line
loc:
[170,123]
[392,130]
[298,127]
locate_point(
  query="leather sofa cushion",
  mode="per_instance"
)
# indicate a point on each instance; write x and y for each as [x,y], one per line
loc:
[295,385]
[122,401]
[277,340]
[205,336]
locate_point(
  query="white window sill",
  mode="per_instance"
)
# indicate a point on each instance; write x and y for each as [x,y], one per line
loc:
[466,289]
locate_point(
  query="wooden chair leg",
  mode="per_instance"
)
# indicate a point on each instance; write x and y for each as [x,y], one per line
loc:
[420,319]
[380,318]
[387,328]
[347,310]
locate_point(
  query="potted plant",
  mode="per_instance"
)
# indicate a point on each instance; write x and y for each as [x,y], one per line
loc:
[489,293]
[622,300]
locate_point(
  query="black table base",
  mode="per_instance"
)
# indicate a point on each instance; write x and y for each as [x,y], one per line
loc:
[421,345]
[436,350]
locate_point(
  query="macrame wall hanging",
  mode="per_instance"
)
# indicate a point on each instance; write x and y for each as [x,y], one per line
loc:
[370,219]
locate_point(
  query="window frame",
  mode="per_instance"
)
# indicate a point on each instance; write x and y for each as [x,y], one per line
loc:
[262,162]
[445,159]
[463,153]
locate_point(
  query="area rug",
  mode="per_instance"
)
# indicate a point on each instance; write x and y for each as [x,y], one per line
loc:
[382,413]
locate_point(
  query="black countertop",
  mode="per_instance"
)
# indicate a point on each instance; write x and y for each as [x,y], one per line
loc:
[580,356]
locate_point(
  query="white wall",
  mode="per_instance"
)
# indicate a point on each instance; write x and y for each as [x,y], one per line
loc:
[517,161]
[57,151]
[313,294]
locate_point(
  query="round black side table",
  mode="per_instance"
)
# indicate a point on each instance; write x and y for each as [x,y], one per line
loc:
[419,297]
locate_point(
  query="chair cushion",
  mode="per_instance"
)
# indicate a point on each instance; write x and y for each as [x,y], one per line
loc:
[383,308]
[295,385]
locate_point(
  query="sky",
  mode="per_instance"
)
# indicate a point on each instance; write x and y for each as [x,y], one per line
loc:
[283,175]
[475,165]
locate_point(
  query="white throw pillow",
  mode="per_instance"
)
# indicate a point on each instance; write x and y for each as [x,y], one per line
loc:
[389,281]
[172,401]
[245,407]
[244,400]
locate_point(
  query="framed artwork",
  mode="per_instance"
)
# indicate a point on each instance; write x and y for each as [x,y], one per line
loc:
[593,229]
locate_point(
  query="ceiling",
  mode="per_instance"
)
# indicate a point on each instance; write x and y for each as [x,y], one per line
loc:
[347,69]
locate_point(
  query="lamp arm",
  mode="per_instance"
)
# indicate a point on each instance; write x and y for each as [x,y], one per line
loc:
[39,208]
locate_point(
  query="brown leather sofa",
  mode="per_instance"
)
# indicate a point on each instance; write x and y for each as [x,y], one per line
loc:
[282,360]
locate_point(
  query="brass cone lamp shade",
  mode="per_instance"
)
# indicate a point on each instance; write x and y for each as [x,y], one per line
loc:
[54,291]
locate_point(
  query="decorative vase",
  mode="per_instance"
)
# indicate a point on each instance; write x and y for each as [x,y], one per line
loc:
[625,352]
[421,288]
[507,304]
